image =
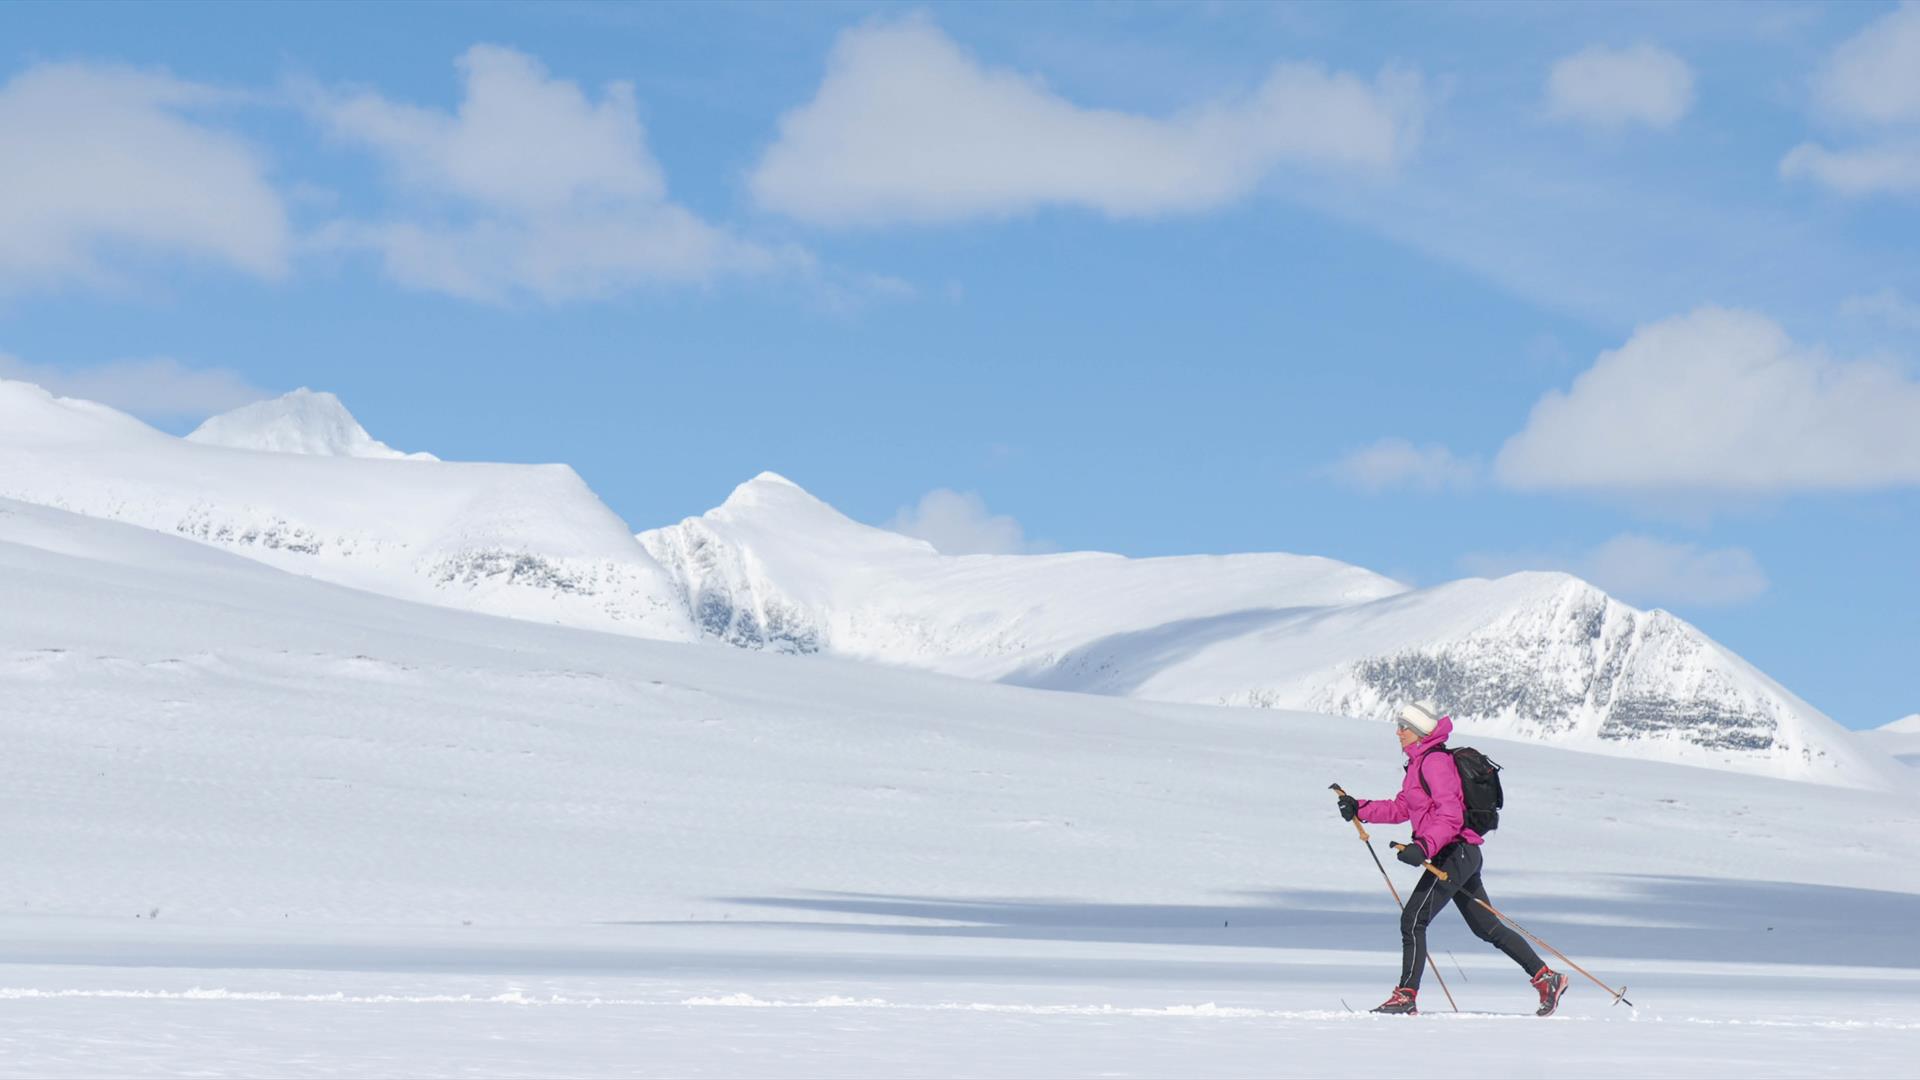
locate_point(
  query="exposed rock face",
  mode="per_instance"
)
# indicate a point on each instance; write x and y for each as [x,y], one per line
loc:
[1574,661]
[729,602]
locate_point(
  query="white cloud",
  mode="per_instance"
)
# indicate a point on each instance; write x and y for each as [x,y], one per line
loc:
[1874,76]
[1891,166]
[96,161]
[1872,79]
[958,523]
[907,127]
[1647,571]
[1887,305]
[519,139]
[538,189]
[1395,462]
[1720,401]
[1615,88]
[159,389]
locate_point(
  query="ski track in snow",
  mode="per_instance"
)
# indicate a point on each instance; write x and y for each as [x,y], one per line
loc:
[1209,1009]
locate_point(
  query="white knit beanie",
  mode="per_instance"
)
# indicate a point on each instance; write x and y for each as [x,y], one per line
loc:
[1421,716]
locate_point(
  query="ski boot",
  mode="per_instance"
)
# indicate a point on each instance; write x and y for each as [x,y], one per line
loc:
[1551,985]
[1400,1004]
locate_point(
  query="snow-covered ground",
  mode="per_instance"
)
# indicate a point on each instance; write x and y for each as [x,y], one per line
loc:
[256,823]
[757,1002]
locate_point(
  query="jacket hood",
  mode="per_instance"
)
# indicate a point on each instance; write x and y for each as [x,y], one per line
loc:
[1440,732]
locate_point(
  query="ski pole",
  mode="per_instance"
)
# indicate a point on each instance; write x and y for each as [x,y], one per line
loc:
[1399,903]
[1619,995]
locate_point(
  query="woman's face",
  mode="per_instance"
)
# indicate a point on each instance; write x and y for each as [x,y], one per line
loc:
[1407,737]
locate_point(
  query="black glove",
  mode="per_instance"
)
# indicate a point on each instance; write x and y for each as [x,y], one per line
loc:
[1349,806]
[1413,854]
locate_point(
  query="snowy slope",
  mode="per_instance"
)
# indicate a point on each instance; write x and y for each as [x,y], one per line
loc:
[301,422]
[1900,739]
[223,702]
[258,824]
[1538,656]
[530,541]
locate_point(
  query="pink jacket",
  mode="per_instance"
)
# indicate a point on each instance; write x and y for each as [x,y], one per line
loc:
[1437,819]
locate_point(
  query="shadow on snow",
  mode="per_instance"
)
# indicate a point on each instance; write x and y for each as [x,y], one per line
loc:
[1630,916]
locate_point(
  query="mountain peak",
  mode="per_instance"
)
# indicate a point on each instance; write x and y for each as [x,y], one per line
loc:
[769,491]
[787,517]
[302,422]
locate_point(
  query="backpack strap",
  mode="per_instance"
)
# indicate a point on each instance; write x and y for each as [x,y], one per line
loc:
[1422,768]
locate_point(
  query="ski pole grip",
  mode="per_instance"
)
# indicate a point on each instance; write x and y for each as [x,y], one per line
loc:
[1431,869]
[1361,829]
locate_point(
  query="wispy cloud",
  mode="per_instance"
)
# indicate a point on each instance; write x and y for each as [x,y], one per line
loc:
[959,523]
[1872,80]
[1891,167]
[156,389]
[907,127]
[1887,305]
[1398,463]
[1554,227]
[1617,88]
[1874,76]
[1646,571]
[531,187]
[98,161]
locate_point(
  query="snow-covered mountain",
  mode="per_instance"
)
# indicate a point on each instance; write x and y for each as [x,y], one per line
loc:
[302,422]
[775,568]
[1899,740]
[1537,656]
[529,541]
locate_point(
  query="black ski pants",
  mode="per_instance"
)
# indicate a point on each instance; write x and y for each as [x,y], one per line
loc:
[1462,863]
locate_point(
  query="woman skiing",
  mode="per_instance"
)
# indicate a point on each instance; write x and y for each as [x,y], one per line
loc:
[1431,798]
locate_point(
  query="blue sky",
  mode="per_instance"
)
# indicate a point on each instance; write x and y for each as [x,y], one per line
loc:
[1438,290]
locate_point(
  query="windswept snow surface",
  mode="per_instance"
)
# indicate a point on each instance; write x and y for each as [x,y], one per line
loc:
[1531,656]
[257,824]
[530,541]
[302,422]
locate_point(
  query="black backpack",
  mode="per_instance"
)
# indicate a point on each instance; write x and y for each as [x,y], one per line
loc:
[1479,785]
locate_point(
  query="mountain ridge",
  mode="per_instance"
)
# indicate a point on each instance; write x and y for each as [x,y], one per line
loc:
[1535,655]
[527,541]
[1539,656]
